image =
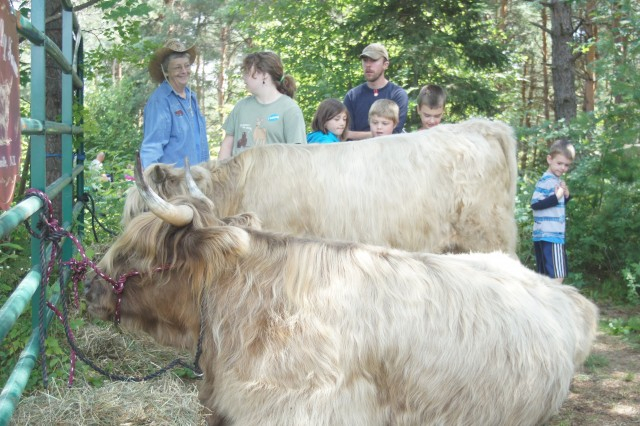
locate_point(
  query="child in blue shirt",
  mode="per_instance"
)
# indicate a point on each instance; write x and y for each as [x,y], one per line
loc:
[330,122]
[548,204]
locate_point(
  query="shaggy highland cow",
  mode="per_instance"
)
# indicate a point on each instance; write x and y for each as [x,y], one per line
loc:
[448,189]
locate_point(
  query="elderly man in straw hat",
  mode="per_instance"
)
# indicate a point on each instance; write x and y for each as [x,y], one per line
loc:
[375,61]
[174,127]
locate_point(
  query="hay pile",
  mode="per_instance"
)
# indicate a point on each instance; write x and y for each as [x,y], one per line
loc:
[163,401]
[167,400]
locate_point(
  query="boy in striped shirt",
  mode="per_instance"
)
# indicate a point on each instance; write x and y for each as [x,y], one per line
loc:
[548,204]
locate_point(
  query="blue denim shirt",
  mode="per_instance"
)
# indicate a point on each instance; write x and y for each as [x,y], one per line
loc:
[171,132]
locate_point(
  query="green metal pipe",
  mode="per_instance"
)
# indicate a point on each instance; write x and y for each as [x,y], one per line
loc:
[26,29]
[77,209]
[68,6]
[17,382]
[14,217]
[37,127]
[79,168]
[32,126]
[57,186]
[21,296]
[18,301]
[66,147]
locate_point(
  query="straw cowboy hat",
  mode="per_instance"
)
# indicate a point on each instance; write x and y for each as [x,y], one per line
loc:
[170,46]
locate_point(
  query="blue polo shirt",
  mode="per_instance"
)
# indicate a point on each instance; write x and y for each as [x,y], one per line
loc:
[174,128]
[359,100]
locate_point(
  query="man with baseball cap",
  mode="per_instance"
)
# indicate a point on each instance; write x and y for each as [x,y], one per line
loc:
[174,127]
[375,61]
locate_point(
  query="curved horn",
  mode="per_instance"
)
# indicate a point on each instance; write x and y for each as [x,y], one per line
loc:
[194,189]
[175,215]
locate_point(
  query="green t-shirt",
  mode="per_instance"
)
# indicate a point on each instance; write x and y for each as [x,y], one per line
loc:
[253,124]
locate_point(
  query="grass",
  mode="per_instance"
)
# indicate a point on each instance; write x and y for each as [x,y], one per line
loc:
[595,362]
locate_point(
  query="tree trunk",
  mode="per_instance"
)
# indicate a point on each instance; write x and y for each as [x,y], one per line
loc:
[562,61]
[621,41]
[199,83]
[545,64]
[53,102]
[116,71]
[502,14]
[524,148]
[222,70]
[523,92]
[591,30]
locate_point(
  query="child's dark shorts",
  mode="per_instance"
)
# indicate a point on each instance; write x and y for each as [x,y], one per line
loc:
[551,259]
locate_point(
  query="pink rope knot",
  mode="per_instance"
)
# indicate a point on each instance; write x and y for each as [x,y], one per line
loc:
[118,287]
[53,223]
[78,273]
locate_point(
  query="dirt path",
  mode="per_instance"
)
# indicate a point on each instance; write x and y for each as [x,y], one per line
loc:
[607,390]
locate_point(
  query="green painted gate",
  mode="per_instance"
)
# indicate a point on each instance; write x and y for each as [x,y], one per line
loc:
[68,56]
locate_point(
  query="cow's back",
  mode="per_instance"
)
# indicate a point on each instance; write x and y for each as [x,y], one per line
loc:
[451,188]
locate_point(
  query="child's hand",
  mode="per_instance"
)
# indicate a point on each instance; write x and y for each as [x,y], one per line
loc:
[565,189]
[559,192]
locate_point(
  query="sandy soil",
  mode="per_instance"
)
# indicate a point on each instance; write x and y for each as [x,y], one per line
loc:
[607,390]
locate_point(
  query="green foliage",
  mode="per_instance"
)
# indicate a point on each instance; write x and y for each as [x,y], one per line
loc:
[111,122]
[628,328]
[116,131]
[57,350]
[524,222]
[105,209]
[121,25]
[15,261]
[9,252]
[449,43]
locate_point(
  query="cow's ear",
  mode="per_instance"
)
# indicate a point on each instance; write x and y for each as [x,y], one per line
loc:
[226,241]
[249,220]
[158,174]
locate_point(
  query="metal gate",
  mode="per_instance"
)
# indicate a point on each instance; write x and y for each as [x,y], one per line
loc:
[68,56]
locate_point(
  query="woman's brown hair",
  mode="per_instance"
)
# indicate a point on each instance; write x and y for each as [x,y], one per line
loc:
[270,63]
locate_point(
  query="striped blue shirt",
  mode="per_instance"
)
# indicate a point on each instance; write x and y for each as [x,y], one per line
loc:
[549,214]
